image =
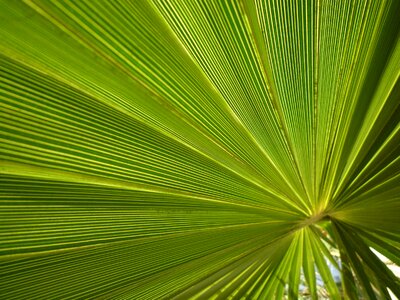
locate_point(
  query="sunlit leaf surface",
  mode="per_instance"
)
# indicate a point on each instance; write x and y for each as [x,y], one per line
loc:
[199,149]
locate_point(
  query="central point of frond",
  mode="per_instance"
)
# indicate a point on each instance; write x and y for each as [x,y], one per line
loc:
[313,219]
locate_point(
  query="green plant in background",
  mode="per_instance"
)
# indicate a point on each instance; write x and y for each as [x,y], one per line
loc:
[199,149]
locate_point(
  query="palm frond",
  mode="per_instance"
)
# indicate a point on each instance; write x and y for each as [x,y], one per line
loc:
[199,149]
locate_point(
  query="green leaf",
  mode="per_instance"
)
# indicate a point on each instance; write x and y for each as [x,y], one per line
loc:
[180,149]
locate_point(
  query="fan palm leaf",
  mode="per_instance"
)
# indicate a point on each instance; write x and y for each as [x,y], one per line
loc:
[199,149]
